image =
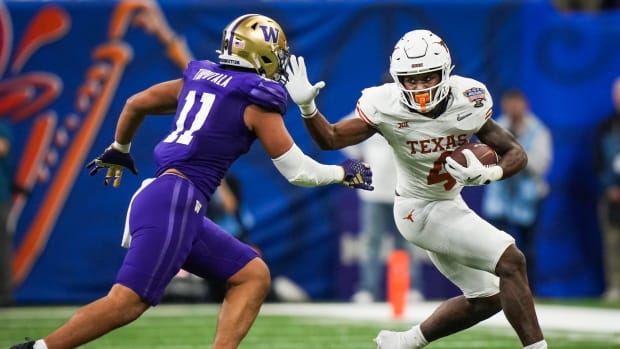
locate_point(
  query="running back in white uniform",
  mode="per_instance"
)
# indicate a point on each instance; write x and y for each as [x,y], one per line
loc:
[429,210]
[424,115]
[421,144]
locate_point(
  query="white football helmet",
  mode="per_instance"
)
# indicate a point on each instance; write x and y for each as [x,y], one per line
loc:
[256,42]
[421,51]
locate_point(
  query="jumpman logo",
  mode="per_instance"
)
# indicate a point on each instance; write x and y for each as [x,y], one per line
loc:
[409,215]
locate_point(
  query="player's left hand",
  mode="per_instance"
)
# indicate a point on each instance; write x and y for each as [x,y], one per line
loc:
[357,174]
[299,87]
[475,173]
[113,160]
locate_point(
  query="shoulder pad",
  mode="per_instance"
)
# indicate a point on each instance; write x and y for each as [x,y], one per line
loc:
[269,95]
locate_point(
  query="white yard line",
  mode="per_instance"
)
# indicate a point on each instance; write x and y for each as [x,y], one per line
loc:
[551,317]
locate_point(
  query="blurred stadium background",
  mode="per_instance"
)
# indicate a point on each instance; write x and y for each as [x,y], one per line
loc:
[68,66]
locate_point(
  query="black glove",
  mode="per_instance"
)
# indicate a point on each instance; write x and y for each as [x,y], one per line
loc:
[114,160]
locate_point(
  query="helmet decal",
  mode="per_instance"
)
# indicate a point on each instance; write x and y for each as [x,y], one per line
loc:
[256,42]
[232,30]
[270,33]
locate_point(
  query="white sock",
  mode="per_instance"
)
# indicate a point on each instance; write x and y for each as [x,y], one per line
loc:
[538,345]
[417,337]
[40,344]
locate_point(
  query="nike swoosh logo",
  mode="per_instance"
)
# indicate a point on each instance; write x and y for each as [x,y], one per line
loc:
[462,116]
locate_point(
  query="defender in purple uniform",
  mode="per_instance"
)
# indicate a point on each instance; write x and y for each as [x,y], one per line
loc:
[220,110]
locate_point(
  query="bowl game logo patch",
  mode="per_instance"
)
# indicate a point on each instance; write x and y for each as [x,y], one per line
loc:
[475,95]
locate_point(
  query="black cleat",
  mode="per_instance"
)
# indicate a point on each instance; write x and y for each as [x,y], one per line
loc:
[25,345]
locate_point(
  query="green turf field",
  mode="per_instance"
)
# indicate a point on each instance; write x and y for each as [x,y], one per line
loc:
[192,326]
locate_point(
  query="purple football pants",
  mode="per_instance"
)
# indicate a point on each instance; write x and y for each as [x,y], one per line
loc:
[169,231]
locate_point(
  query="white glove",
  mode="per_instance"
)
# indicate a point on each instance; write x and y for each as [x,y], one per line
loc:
[299,88]
[475,173]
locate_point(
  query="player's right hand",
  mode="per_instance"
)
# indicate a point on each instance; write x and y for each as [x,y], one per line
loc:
[299,87]
[357,174]
[113,160]
[475,173]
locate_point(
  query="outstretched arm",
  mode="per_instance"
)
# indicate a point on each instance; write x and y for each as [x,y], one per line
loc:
[293,164]
[326,135]
[339,135]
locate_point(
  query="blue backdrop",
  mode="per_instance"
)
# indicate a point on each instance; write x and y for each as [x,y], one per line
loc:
[67,68]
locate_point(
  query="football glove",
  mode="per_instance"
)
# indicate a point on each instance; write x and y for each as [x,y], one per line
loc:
[475,173]
[114,160]
[357,175]
[299,88]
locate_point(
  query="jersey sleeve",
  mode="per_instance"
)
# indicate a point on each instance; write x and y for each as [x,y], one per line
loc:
[366,109]
[269,95]
[486,111]
[478,100]
[488,108]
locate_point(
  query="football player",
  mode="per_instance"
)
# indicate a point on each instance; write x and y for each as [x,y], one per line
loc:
[424,114]
[221,109]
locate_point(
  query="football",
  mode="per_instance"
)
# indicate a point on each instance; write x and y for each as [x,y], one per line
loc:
[483,152]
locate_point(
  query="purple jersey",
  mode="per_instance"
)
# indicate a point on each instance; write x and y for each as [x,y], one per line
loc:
[208,132]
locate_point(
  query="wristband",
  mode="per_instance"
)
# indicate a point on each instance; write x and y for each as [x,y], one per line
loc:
[309,110]
[123,148]
[497,173]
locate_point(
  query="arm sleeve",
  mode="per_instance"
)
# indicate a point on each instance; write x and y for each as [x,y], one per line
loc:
[365,108]
[485,113]
[301,170]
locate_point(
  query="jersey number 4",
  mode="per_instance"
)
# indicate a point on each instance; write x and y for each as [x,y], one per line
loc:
[435,175]
[182,135]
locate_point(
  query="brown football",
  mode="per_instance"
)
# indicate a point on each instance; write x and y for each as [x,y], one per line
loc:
[483,152]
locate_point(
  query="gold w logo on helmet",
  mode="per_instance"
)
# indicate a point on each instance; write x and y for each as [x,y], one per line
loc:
[270,33]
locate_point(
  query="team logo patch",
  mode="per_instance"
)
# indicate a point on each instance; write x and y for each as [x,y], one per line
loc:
[476,95]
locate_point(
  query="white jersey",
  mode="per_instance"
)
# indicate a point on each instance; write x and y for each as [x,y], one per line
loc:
[420,144]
